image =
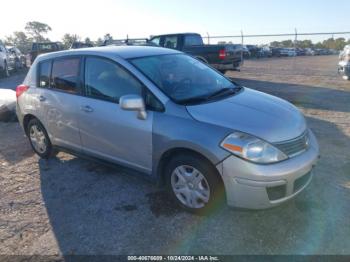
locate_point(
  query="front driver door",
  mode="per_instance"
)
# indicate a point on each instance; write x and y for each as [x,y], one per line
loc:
[106,130]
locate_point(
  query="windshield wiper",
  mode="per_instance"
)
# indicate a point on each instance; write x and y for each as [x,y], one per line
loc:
[223,91]
[218,93]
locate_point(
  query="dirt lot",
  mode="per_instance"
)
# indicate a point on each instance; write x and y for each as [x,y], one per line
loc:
[72,206]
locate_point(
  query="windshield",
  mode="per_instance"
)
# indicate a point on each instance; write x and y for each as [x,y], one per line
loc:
[183,78]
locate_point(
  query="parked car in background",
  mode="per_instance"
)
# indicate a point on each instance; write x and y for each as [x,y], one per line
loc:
[333,51]
[254,50]
[300,51]
[243,49]
[174,119]
[265,51]
[246,53]
[18,59]
[288,52]
[41,48]
[4,66]
[76,45]
[275,51]
[8,61]
[222,57]
[318,51]
[344,63]
[310,51]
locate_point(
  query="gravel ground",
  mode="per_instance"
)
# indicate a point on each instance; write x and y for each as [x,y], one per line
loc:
[68,205]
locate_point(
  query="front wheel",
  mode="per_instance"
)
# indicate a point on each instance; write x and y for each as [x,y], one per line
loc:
[39,139]
[194,184]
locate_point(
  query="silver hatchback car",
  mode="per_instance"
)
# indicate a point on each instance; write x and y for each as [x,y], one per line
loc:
[172,118]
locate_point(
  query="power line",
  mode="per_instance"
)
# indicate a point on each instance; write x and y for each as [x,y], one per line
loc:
[272,35]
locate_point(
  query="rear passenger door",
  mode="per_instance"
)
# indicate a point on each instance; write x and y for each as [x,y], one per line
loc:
[107,131]
[59,83]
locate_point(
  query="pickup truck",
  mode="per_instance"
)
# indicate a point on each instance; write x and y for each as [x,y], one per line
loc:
[41,48]
[222,57]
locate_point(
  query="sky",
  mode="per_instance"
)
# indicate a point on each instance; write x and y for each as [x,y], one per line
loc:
[142,18]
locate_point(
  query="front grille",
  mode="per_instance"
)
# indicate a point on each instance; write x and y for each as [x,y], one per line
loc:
[295,146]
[301,181]
[276,192]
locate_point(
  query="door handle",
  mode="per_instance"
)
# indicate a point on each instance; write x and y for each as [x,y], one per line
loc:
[87,109]
[42,98]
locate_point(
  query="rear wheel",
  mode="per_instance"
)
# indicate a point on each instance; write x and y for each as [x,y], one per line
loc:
[194,184]
[39,139]
[5,72]
[17,65]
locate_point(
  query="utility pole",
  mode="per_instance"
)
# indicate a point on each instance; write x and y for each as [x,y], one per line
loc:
[242,42]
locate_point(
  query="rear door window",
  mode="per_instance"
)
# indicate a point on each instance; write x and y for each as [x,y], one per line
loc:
[171,42]
[48,47]
[66,74]
[44,74]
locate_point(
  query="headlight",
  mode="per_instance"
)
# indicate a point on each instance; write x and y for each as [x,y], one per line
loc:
[251,148]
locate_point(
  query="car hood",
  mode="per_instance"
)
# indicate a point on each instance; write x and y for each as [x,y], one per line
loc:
[255,113]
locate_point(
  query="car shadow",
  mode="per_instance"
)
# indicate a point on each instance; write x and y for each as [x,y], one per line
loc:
[98,210]
[311,97]
[17,146]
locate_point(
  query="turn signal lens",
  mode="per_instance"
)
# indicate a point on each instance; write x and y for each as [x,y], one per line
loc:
[252,148]
[233,147]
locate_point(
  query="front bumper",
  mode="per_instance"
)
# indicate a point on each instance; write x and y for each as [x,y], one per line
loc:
[256,186]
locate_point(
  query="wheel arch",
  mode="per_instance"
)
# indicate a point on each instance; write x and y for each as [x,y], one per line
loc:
[26,120]
[170,153]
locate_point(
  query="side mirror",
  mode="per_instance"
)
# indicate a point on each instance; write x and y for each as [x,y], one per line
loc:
[134,103]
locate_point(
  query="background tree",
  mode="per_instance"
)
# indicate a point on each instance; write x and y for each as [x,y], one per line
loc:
[99,41]
[88,41]
[331,43]
[37,30]
[20,40]
[69,39]
[304,44]
[108,37]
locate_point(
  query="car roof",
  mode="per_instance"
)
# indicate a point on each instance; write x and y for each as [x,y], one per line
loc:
[172,34]
[125,52]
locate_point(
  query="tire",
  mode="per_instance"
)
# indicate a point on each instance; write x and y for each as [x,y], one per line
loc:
[17,66]
[5,72]
[39,139]
[194,184]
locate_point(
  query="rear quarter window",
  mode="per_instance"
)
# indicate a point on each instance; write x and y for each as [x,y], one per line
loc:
[191,40]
